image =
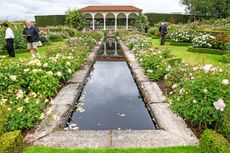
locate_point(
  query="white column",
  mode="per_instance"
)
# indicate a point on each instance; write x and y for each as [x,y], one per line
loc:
[105,51]
[115,54]
[115,22]
[104,15]
[127,21]
[93,16]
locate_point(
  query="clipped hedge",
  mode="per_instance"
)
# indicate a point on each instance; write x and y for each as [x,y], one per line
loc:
[174,60]
[180,44]
[206,50]
[11,142]
[173,18]
[213,33]
[3,119]
[50,20]
[226,58]
[212,142]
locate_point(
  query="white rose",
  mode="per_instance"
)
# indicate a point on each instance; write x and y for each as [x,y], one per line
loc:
[59,74]
[225,82]
[13,77]
[207,68]
[45,65]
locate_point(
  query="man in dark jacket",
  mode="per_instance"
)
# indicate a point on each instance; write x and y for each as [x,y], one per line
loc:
[163,31]
[32,36]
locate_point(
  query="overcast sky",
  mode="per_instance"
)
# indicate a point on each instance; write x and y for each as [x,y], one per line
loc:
[26,9]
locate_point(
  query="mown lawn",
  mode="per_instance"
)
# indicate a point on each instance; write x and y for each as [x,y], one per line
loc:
[189,57]
[187,149]
[24,53]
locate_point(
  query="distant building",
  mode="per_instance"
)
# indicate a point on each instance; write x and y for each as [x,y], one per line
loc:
[110,17]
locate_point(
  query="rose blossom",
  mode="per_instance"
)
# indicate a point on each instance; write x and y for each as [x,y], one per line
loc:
[207,68]
[225,82]
[219,105]
[13,77]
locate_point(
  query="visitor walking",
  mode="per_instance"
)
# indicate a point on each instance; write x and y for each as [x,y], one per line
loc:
[32,36]
[9,37]
[163,31]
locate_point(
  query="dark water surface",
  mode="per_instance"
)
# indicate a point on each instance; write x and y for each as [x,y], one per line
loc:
[111,99]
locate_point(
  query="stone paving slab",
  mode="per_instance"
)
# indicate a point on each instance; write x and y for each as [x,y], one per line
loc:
[111,139]
[76,139]
[145,139]
[79,77]
[151,92]
[139,75]
[57,114]
[170,122]
[68,95]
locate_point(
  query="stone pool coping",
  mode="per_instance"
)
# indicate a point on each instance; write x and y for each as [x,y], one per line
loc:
[173,130]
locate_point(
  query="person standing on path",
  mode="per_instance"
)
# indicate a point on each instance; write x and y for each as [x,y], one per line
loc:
[163,31]
[32,36]
[9,37]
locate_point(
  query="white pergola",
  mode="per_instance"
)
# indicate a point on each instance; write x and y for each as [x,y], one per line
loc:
[110,12]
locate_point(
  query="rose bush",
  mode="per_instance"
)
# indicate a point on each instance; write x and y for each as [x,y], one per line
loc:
[221,41]
[199,94]
[182,36]
[27,86]
[203,41]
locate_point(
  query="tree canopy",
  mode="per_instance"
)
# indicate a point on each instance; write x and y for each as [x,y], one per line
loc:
[76,19]
[216,8]
[141,22]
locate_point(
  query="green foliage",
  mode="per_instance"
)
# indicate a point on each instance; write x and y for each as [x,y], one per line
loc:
[195,99]
[154,65]
[3,120]
[141,22]
[180,44]
[26,86]
[174,61]
[203,41]
[183,36]
[221,42]
[50,20]
[54,36]
[122,33]
[212,142]
[206,50]
[177,18]
[105,33]
[11,142]
[135,42]
[154,31]
[226,58]
[218,8]
[76,19]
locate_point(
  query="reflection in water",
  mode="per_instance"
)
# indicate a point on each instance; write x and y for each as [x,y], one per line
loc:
[110,48]
[111,99]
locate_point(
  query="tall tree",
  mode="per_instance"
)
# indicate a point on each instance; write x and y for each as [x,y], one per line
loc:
[217,8]
[141,22]
[76,19]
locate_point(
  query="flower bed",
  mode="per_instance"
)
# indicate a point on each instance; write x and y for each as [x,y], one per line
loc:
[26,87]
[183,36]
[201,94]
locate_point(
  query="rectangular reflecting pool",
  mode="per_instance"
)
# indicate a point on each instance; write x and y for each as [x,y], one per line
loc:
[111,98]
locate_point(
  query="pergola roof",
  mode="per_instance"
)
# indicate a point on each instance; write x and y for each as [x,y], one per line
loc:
[110,9]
